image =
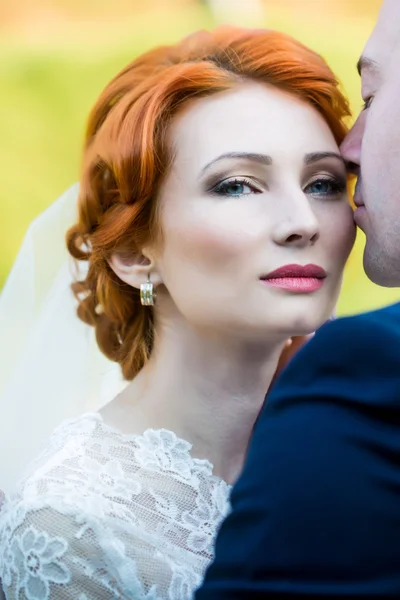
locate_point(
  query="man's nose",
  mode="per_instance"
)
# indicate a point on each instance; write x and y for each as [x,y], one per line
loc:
[351,145]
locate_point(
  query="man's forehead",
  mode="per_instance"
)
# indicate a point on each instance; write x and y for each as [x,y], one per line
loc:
[383,46]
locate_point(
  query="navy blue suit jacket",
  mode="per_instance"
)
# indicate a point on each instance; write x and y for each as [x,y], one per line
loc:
[316,511]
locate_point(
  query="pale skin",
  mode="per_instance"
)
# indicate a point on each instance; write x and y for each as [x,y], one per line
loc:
[373,149]
[219,328]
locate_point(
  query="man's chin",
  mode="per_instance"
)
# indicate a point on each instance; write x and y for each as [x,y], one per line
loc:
[378,270]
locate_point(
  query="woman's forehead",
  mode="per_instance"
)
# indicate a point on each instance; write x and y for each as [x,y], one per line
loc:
[252,118]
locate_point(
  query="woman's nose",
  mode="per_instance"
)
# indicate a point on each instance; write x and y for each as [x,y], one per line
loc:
[304,238]
[299,227]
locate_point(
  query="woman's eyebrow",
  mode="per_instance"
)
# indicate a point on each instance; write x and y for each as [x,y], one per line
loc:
[316,156]
[263,159]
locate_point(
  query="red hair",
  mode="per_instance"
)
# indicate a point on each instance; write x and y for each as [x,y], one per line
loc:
[126,156]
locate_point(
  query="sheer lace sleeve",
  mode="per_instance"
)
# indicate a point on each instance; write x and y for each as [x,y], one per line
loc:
[104,517]
[60,537]
[59,556]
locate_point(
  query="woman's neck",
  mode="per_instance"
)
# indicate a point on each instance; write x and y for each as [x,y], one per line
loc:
[208,390]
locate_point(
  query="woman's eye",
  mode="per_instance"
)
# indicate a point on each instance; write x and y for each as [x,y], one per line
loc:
[326,187]
[235,187]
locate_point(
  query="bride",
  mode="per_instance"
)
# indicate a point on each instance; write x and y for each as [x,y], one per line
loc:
[215,225]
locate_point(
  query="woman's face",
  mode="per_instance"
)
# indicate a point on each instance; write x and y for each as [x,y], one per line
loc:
[257,184]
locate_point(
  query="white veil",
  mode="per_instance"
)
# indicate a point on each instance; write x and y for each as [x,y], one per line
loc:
[50,367]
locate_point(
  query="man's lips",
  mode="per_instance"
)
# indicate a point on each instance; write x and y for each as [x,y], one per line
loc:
[360,210]
[357,199]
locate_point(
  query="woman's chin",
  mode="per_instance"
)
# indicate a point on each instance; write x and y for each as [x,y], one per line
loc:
[306,325]
[291,325]
[295,315]
[276,324]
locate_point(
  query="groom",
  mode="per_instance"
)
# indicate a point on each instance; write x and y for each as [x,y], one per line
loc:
[316,512]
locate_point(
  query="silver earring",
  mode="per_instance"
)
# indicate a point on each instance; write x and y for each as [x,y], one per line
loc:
[147,293]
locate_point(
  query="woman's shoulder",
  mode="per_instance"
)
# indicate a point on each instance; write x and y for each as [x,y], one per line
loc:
[58,527]
[102,497]
[67,443]
[82,454]
[78,466]
[74,486]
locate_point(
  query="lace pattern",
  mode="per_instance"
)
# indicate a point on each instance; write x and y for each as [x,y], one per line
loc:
[105,515]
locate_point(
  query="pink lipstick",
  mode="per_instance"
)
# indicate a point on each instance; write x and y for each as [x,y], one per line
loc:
[296,278]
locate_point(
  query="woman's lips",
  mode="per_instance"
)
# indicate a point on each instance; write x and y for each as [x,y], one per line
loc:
[296,284]
[296,278]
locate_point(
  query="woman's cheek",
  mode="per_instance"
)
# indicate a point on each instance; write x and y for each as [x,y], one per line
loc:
[340,232]
[211,240]
[348,230]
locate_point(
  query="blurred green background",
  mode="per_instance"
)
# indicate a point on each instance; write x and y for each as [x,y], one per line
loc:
[57,55]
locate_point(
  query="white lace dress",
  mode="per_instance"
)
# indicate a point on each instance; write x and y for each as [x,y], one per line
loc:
[106,516]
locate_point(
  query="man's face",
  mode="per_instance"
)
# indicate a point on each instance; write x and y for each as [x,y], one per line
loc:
[373,145]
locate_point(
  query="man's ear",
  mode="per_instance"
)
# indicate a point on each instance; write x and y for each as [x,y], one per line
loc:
[134,269]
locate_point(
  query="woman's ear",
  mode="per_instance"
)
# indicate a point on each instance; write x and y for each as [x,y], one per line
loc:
[134,269]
